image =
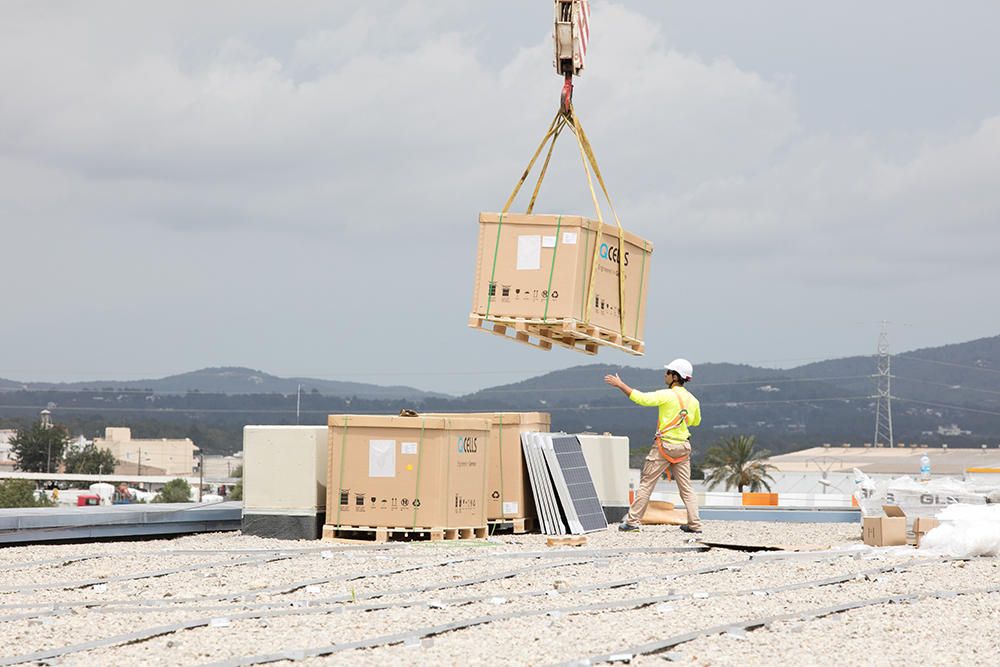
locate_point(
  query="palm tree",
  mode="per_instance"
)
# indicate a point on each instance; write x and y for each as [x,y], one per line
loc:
[735,462]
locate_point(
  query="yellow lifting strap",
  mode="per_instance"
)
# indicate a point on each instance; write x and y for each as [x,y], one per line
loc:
[561,121]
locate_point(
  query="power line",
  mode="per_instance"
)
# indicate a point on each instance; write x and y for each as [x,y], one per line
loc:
[770,381]
[948,363]
[75,408]
[792,400]
[947,386]
[700,385]
[291,410]
[946,406]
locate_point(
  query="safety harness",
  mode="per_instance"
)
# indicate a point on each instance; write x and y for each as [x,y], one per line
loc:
[682,417]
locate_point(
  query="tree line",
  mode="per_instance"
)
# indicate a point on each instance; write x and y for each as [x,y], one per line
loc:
[43,447]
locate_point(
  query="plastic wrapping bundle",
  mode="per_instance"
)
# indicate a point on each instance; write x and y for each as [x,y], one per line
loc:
[913,497]
[966,531]
[928,498]
[869,494]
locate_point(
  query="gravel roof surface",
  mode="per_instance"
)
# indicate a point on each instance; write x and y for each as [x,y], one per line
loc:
[510,600]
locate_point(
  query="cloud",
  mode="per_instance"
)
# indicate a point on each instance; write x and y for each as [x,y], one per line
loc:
[341,121]
[241,148]
[843,210]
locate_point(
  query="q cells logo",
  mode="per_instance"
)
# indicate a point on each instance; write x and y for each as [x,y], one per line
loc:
[467,445]
[612,253]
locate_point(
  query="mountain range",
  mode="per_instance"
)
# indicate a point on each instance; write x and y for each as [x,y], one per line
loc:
[228,380]
[943,394]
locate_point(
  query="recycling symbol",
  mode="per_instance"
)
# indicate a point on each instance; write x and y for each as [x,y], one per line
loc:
[416,502]
[496,494]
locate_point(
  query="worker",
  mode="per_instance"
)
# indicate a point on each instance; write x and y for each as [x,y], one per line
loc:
[678,410]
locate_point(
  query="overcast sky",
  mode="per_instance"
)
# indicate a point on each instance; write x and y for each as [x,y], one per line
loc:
[295,187]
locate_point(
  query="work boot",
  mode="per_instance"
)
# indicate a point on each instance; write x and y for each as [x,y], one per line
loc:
[688,529]
[627,527]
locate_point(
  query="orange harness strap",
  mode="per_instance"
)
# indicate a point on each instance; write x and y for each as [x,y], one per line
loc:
[682,416]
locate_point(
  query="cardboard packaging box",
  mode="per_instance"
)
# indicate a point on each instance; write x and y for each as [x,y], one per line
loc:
[284,481]
[891,530]
[539,267]
[508,489]
[407,472]
[921,526]
[884,531]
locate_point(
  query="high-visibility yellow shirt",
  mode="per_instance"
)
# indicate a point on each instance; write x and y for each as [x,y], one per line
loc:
[669,403]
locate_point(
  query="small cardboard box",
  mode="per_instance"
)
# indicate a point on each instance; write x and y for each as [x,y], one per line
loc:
[539,266]
[508,488]
[403,472]
[922,525]
[885,531]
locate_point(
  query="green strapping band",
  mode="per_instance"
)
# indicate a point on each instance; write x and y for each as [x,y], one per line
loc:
[642,275]
[583,276]
[485,461]
[420,456]
[447,479]
[491,288]
[500,445]
[548,292]
[340,483]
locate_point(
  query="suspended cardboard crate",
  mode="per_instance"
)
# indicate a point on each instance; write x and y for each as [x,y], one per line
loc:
[565,280]
[412,476]
[554,280]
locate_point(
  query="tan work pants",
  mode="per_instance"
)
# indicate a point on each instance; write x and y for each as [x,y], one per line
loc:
[653,469]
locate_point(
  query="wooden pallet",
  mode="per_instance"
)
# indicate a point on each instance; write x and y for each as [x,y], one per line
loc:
[568,333]
[581,331]
[512,330]
[516,526]
[395,534]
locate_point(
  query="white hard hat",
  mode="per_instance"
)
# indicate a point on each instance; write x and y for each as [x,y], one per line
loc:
[682,367]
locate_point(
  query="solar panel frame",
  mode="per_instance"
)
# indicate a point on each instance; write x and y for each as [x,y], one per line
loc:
[539,442]
[534,479]
[581,503]
[561,488]
[541,481]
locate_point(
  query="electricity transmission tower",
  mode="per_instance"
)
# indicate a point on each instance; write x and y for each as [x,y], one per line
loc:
[883,395]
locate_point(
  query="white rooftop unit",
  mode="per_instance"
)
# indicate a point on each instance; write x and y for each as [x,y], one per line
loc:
[284,481]
[607,460]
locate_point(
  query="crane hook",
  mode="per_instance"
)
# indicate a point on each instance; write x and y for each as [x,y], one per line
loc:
[566,98]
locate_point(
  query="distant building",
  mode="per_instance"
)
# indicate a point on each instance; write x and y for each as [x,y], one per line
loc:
[218,467]
[831,469]
[6,458]
[148,456]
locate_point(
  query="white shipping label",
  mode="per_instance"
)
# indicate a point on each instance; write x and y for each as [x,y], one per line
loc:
[408,448]
[510,508]
[529,253]
[569,238]
[548,242]
[381,458]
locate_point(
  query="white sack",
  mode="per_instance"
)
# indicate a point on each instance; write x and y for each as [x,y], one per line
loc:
[965,531]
